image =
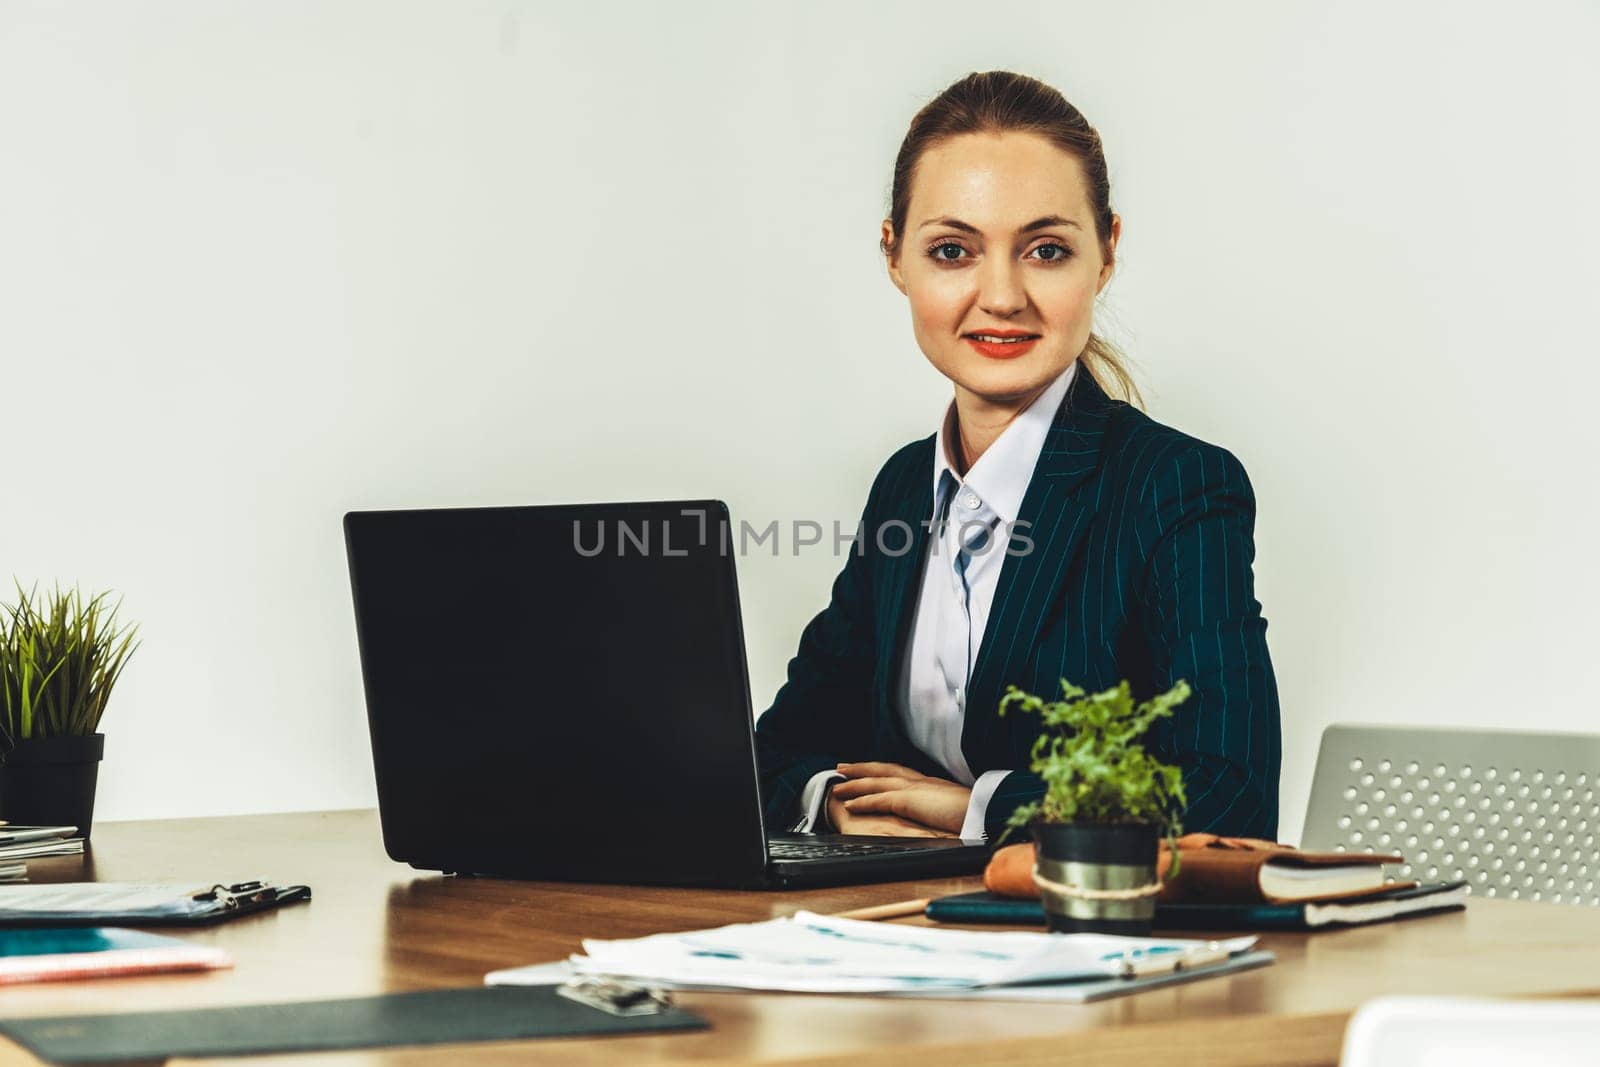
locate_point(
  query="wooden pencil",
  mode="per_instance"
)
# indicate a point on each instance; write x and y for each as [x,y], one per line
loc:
[886,911]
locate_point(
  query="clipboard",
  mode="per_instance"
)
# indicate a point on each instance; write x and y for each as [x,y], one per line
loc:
[133,904]
[430,1017]
[1097,989]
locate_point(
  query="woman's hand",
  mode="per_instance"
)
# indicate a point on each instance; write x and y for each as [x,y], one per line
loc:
[888,789]
[877,825]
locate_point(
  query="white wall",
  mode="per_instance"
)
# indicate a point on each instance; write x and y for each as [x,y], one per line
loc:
[261,263]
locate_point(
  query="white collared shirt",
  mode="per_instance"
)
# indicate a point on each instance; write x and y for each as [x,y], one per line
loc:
[953,604]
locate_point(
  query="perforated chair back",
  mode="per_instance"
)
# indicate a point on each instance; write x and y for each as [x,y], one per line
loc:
[1514,814]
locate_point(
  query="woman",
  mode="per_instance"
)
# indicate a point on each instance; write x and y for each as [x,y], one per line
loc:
[1048,529]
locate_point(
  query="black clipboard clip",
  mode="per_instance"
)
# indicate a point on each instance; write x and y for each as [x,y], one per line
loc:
[247,896]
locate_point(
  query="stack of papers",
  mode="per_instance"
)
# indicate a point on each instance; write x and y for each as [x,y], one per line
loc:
[25,842]
[811,953]
[70,900]
[29,842]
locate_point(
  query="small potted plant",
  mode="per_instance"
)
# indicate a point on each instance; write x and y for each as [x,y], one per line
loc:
[1106,806]
[59,658]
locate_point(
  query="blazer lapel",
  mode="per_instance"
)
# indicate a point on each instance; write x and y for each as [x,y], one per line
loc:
[1058,509]
[904,523]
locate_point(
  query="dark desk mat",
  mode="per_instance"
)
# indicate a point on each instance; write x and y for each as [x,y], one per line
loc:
[445,1016]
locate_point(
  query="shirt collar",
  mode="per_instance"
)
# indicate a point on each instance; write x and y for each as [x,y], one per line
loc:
[1002,473]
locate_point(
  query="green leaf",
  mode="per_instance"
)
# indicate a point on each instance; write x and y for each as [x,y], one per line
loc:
[60,656]
[1092,760]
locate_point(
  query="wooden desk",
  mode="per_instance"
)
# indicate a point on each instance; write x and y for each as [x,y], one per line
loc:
[376,926]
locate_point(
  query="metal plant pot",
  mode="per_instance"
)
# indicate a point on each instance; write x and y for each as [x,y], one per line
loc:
[1098,877]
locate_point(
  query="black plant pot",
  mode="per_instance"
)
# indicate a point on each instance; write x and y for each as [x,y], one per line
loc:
[49,781]
[1103,863]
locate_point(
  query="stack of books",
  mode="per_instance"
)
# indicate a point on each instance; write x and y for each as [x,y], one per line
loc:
[53,955]
[1230,884]
[28,842]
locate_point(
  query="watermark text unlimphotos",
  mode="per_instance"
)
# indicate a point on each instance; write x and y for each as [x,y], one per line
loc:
[894,537]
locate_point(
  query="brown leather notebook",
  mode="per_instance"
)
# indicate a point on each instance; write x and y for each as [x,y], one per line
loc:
[1227,870]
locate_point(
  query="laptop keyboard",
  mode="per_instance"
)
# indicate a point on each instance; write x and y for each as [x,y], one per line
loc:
[814,850]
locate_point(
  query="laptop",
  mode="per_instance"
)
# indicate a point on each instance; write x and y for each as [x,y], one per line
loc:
[560,692]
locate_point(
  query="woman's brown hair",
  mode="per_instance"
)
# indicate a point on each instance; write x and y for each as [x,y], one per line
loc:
[997,101]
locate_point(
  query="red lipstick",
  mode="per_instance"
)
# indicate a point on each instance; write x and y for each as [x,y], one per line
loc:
[1001,349]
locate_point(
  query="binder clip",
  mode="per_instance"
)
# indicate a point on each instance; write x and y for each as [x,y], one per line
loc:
[615,996]
[230,896]
[1165,959]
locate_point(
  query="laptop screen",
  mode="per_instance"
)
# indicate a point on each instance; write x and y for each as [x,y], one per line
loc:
[559,691]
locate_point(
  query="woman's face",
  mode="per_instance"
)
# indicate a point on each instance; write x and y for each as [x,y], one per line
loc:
[999,236]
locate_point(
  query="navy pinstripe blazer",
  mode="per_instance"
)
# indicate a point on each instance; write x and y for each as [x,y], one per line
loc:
[1143,539]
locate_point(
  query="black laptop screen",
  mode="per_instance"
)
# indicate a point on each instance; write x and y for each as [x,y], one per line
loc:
[558,691]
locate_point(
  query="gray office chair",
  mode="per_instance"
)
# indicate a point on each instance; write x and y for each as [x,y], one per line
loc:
[1515,814]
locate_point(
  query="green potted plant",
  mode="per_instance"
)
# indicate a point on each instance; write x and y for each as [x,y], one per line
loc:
[1106,806]
[59,658]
